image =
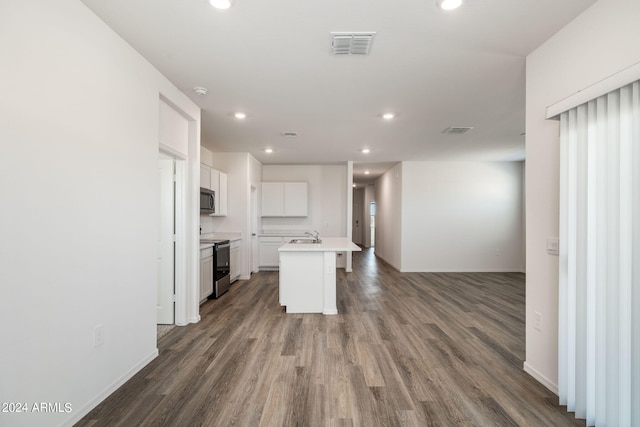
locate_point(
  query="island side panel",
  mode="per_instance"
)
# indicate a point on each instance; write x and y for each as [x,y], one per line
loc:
[329,284]
[301,281]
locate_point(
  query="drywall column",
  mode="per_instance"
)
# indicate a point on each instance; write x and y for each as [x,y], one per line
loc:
[349,260]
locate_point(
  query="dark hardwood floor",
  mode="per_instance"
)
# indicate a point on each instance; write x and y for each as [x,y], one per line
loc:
[414,349]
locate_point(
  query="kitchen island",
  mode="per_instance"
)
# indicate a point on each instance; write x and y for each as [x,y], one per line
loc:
[308,274]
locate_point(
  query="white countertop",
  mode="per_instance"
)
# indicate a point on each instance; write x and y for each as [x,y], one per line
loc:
[282,233]
[232,237]
[329,244]
[222,236]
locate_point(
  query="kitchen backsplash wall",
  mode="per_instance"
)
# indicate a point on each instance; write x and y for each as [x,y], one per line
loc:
[207,224]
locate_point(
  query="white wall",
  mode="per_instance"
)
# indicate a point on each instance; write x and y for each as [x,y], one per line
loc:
[388,196]
[451,216]
[462,216]
[600,42]
[79,125]
[327,198]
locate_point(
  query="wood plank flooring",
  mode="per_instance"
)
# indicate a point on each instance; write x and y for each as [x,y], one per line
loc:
[407,349]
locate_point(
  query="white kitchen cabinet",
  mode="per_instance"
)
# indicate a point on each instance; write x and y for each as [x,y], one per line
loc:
[268,255]
[206,273]
[205,176]
[295,199]
[268,252]
[215,180]
[283,199]
[219,185]
[235,255]
[272,199]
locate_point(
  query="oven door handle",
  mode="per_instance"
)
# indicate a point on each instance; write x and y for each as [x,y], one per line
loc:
[227,245]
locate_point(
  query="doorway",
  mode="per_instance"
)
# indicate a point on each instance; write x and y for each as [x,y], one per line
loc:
[357,221]
[165,313]
[358,213]
[372,223]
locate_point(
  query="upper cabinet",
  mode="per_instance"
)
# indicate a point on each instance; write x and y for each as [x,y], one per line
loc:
[280,199]
[217,181]
[205,176]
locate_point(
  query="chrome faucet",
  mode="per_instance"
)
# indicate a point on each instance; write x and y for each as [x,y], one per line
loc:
[316,236]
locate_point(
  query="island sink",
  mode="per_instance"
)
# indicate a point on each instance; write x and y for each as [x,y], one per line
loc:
[305,241]
[308,274]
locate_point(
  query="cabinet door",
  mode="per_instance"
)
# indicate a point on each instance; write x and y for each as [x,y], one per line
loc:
[206,277]
[205,176]
[295,199]
[221,195]
[272,199]
[269,255]
[235,262]
[214,184]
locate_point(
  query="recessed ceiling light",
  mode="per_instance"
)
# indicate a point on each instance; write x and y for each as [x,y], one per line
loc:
[240,115]
[365,151]
[367,172]
[354,185]
[220,4]
[388,116]
[449,4]
[268,150]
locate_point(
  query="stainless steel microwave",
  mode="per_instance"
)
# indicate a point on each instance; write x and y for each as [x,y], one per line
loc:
[207,201]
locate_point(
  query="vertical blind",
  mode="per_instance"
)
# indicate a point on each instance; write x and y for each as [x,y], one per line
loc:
[599,277]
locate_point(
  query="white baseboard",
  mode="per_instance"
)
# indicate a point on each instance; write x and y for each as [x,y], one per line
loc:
[540,378]
[390,263]
[80,413]
[461,270]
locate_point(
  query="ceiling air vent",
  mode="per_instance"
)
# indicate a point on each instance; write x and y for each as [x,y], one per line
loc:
[457,130]
[351,43]
[290,134]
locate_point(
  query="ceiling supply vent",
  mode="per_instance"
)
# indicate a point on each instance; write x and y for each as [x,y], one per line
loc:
[290,134]
[457,130]
[351,43]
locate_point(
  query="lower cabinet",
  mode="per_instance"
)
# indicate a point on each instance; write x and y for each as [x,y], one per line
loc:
[268,252]
[268,256]
[235,256]
[206,273]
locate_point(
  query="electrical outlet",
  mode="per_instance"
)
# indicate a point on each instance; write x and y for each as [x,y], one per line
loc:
[537,321]
[98,336]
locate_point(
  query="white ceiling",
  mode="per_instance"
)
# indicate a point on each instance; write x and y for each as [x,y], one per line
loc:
[271,59]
